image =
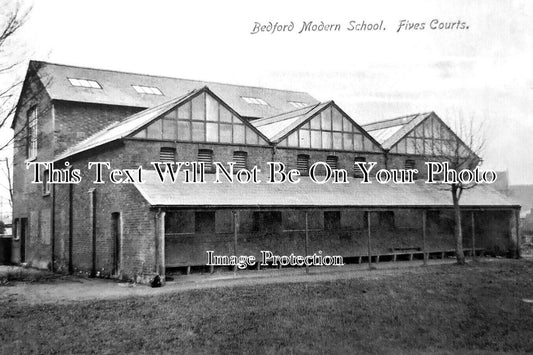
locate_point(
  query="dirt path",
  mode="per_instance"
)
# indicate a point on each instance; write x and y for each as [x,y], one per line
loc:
[72,289]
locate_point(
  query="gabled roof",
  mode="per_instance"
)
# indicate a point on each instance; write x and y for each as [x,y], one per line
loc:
[117,89]
[132,124]
[389,132]
[119,130]
[309,194]
[276,127]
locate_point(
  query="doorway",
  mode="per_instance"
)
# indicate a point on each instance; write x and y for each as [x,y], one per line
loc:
[116,237]
[23,229]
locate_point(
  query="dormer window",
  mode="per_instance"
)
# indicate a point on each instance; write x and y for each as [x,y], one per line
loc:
[150,90]
[254,100]
[91,84]
[298,104]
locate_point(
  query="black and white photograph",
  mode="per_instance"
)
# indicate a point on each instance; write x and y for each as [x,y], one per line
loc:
[266,177]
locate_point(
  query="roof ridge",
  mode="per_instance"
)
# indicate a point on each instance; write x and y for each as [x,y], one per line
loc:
[297,123]
[403,129]
[303,109]
[414,115]
[166,76]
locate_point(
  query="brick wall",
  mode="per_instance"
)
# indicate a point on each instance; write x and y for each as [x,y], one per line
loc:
[345,159]
[75,121]
[28,199]
[397,161]
[143,152]
[137,222]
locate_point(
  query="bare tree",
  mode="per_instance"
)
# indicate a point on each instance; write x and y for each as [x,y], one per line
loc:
[462,149]
[9,186]
[13,53]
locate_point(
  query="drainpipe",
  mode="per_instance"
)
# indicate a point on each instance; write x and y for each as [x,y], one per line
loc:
[52,192]
[53,224]
[92,203]
[70,229]
[160,244]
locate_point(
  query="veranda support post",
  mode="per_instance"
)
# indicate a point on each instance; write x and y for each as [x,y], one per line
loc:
[424,233]
[473,237]
[306,240]
[369,246]
[517,226]
[235,234]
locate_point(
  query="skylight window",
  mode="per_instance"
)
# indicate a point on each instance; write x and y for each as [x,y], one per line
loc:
[85,83]
[298,104]
[254,100]
[150,90]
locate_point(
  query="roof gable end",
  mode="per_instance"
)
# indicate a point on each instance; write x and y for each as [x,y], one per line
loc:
[205,109]
[326,123]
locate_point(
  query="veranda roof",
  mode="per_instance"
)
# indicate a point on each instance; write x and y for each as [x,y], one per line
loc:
[307,193]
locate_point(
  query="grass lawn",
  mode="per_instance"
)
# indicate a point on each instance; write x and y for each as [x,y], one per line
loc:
[475,308]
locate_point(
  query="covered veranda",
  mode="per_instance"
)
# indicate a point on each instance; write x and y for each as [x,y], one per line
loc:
[362,223]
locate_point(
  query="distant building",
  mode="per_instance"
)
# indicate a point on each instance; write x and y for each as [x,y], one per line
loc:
[528,221]
[502,182]
[523,194]
[80,115]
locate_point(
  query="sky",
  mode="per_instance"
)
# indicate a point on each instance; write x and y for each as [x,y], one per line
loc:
[481,72]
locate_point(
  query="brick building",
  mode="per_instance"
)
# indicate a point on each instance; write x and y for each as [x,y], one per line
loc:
[72,115]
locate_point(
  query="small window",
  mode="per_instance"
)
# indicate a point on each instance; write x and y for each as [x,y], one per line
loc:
[386,219]
[206,156]
[167,155]
[91,84]
[204,222]
[150,90]
[433,218]
[240,159]
[332,220]
[302,164]
[267,221]
[298,104]
[254,100]
[411,164]
[332,161]
[179,222]
[357,171]
[16,232]
[32,133]
[46,184]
